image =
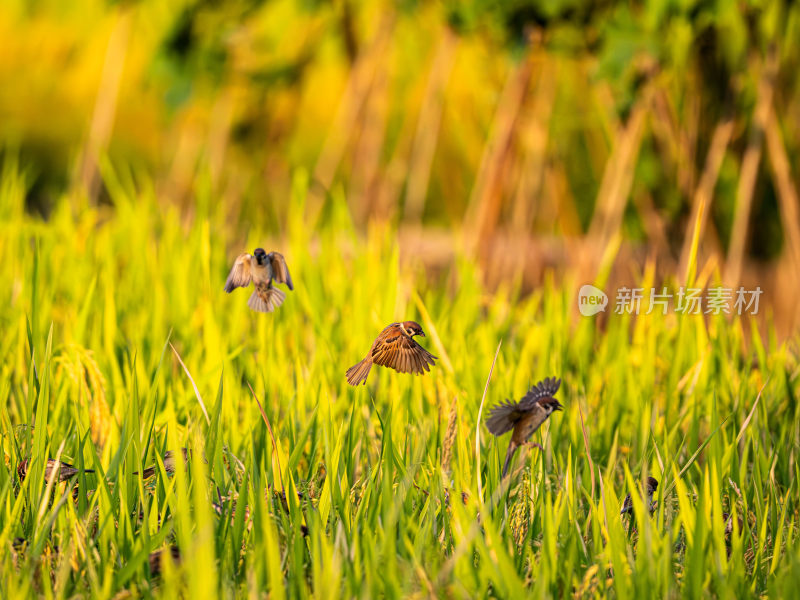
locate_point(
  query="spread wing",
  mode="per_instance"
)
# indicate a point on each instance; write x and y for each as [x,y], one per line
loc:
[502,417]
[544,389]
[401,353]
[280,272]
[240,275]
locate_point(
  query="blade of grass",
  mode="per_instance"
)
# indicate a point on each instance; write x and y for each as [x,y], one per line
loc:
[271,435]
[478,426]
[194,385]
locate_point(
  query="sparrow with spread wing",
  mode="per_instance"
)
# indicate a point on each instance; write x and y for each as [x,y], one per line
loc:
[262,270]
[524,417]
[397,349]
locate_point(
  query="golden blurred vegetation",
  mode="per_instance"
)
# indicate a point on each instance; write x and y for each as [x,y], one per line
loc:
[533,135]
[529,146]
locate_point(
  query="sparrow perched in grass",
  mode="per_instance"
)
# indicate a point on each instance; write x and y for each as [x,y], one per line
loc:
[728,520]
[524,417]
[65,470]
[262,270]
[157,559]
[169,464]
[651,487]
[395,348]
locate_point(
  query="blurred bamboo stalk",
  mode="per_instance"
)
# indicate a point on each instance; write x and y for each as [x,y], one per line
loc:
[787,193]
[483,209]
[690,132]
[365,169]
[705,188]
[787,197]
[557,190]
[428,125]
[655,228]
[219,132]
[602,99]
[106,102]
[618,177]
[615,187]
[675,140]
[534,137]
[521,181]
[749,169]
[184,157]
[352,101]
[387,195]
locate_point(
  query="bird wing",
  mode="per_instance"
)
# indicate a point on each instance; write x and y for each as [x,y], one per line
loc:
[502,417]
[240,275]
[401,353]
[280,272]
[505,415]
[544,389]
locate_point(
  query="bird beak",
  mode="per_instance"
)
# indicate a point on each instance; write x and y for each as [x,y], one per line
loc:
[559,406]
[422,333]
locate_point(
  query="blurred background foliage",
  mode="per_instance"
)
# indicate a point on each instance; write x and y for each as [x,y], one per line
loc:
[532,134]
[511,150]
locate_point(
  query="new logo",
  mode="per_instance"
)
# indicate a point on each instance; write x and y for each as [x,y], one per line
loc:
[591,300]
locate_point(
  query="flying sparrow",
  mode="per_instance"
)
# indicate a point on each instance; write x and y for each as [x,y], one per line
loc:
[524,417]
[262,270]
[65,470]
[395,348]
[651,487]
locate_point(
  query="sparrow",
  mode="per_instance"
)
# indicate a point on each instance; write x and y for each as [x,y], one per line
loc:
[652,486]
[524,417]
[262,270]
[169,464]
[728,519]
[395,348]
[221,510]
[65,470]
[156,559]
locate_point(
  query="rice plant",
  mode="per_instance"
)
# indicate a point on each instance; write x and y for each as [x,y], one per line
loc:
[119,345]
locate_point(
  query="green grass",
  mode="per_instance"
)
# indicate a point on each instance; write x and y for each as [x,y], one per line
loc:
[93,297]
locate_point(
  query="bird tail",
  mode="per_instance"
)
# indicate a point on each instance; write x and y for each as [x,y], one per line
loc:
[512,447]
[146,473]
[359,371]
[266,300]
[64,472]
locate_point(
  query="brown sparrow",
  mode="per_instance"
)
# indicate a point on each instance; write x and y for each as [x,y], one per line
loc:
[156,559]
[395,348]
[65,471]
[728,519]
[262,270]
[169,464]
[524,417]
[652,486]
